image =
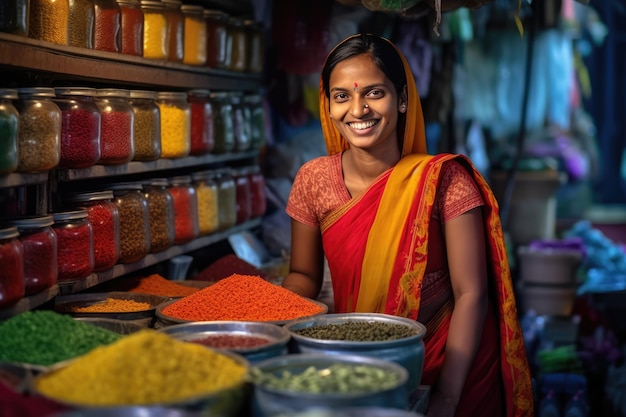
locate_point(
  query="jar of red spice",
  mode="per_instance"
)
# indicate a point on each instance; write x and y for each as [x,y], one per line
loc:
[216,23]
[256,46]
[132,206]
[117,126]
[241,128]
[194,51]
[227,198]
[12,287]
[39,130]
[238,46]
[40,252]
[9,121]
[257,191]
[175,29]
[175,124]
[74,233]
[80,127]
[104,218]
[161,214]
[147,125]
[155,42]
[202,135]
[131,28]
[223,122]
[185,209]
[242,194]
[14,17]
[80,24]
[208,204]
[107,24]
[47,20]
[256,115]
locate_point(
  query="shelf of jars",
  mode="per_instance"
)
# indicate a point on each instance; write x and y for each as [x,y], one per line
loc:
[20,53]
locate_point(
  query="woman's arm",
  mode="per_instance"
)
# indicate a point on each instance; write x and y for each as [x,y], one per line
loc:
[306,269]
[465,245]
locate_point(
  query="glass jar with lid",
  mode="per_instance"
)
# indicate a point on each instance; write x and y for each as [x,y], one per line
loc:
[256,115]
[195,37]
[9,122]
[175,29]
[238,45]
[80,127]
[40,252]
[241,128]
[103,215]
[175,124]
[227,198]
[257,192]
[12,287]
[185,209]
[243,195]
[202,134]
[75,259]
[223,122]
[132,207]
[155,42]
[147,125]
[208,204]
[48,19]
[161,214]
[131,27]
[80,24]
[39,131]
[14,17]
[107,24]
[256,46]
[216,23]
[117,126]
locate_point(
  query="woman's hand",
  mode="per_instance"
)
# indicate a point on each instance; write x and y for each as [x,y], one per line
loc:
[439,405]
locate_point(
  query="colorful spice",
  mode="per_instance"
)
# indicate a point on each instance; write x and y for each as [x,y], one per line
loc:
[80,24]
[175,124]
[232,341]
[242,297]
[44,337]
[48,20]
[358,331]
[185,209]
[147,119]
[161,215]
[8,131]
[11,267]
[155,45]
[131,27]
[146,368]
[194,50]
[226,266]
[75,258]
[117,131]
[155,284]
[112,305]
[202,139]
[206,190]
[132,206]
[107,25]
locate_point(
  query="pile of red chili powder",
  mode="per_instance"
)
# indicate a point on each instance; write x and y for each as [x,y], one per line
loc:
[242,298]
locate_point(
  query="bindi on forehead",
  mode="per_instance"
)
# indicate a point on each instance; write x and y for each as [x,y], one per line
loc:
[356,87]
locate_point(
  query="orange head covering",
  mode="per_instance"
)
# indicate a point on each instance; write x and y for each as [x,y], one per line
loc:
[414,134]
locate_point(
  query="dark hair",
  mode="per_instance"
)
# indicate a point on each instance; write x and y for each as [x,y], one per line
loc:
[379,49]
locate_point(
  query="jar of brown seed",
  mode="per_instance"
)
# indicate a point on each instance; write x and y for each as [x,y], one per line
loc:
[161,214]
[147,122]
[132,207]
[80,24]
[39,132]
[48,20]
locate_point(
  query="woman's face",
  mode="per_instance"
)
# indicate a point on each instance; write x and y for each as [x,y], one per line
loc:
[363,104]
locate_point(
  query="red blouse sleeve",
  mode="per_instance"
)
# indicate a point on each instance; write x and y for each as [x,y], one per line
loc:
[458,193]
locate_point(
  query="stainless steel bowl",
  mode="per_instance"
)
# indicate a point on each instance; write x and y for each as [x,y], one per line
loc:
[271,401]
[134,412]
[408,352]
[277,337]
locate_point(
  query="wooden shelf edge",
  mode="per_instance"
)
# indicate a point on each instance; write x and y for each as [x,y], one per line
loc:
[29,303]
[17,179]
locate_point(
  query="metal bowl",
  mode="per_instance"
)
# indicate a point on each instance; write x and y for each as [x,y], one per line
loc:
[15,376]
[269,401]
[118,326]
[163,319]
[354,412]
[277,337]
[408,351]
[133,412]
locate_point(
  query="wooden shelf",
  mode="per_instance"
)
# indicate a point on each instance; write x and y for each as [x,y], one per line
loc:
[19,53]
[30,302]
[16,180]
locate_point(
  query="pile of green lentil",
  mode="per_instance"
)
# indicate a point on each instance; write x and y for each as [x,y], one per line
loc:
[44,337]
[358,331]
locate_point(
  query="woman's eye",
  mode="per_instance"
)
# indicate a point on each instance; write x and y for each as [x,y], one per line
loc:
[341,97]
[375,93]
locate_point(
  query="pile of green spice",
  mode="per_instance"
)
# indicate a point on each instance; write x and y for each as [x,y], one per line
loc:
[44,337]
[358,331]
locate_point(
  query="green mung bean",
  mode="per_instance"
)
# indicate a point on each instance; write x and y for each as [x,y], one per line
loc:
[358,331]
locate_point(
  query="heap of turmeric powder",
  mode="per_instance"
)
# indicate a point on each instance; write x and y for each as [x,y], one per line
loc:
[155,284]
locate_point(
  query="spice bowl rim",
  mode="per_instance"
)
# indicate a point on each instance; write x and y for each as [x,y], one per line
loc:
[91,298]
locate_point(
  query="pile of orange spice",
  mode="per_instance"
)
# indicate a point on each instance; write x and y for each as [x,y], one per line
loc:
[113,305]
[242,298]
[155,284]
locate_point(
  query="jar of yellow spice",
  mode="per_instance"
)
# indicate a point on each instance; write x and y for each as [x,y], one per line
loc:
[155,41]
[175,124]
[195,38]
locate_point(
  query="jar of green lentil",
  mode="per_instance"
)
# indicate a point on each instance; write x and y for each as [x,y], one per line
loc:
[14,17]
[208,202]
[194,51]
[12,284]
[175,124]
[223,122]
[227,198]
[147,119]
[80,24]
[161,214]
[132,207]
[155,42]
[48,20]
[175,29]
[9,122]
[39,131]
